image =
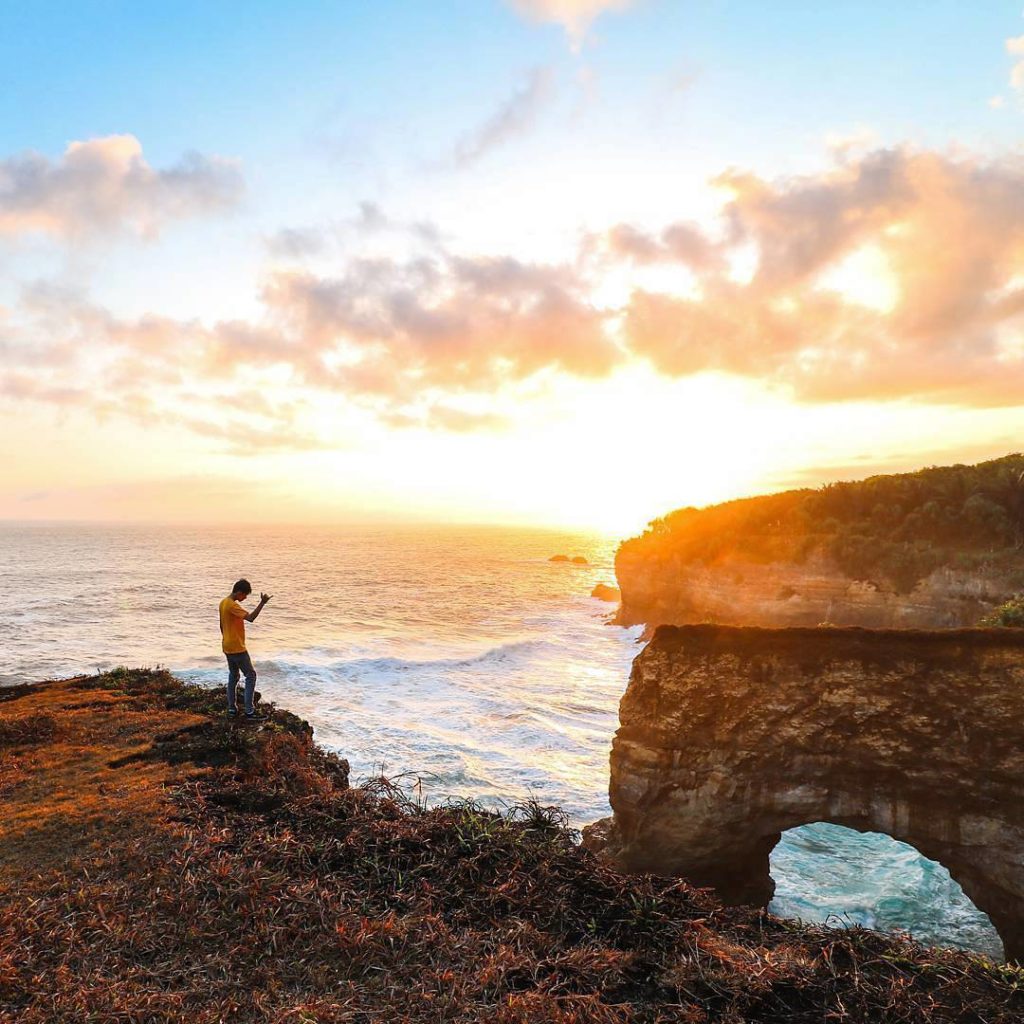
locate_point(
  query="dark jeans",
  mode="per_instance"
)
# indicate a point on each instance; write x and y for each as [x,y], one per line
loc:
[241,663]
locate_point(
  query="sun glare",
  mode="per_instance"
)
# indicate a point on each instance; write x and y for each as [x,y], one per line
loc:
[864,277]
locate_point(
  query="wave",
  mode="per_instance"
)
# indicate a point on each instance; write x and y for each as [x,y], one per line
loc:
[501,655]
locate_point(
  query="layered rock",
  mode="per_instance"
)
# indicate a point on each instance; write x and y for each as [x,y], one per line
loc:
[729,736]
[737,591]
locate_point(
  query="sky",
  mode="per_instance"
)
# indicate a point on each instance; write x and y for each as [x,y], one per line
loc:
[548,262]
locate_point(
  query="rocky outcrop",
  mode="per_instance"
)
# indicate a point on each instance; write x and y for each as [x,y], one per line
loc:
[737,591]
[603,592]
[729,736]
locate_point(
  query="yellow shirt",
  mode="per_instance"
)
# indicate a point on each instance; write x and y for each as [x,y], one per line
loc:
[232,626]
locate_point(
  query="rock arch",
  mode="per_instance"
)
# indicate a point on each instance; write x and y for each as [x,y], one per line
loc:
[731,735]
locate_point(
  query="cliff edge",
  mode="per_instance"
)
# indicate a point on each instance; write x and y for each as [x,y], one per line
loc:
[164,864]
[933,549]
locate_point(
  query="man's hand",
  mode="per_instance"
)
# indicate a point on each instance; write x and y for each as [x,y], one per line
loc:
[264,598]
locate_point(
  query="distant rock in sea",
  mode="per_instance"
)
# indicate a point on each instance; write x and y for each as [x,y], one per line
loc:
[559,558]
[604,592]
[580,560]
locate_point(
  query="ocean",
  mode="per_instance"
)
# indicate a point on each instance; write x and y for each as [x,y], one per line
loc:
[458,655]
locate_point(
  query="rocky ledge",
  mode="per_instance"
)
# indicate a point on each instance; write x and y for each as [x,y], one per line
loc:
[737,591]
[731,735]
[161,863]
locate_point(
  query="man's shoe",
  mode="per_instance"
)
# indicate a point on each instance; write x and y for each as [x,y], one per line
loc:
[255,716]
[232,712]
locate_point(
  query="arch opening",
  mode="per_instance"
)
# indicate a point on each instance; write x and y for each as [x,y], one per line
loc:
[829,873]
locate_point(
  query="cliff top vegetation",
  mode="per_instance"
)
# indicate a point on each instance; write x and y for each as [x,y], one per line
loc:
[163,863]
[892,529]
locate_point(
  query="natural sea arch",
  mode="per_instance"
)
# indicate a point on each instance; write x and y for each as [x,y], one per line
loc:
[729,736]
[830,874]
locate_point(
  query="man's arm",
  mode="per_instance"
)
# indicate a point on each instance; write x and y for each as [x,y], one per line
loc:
[264,598]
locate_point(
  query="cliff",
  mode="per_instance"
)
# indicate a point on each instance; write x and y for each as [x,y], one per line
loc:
[933,549]
[736,591]
[729,736]
[162,863]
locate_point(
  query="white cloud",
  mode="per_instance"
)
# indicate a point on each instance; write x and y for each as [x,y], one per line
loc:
[1015,48]
[514,117]
[932,246]
[425,342]
[106,186]
[575,16]
[892,274]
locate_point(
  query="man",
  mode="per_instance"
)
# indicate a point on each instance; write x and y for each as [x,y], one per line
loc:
[233,618]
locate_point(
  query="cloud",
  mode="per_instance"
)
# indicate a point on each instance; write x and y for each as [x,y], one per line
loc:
[441,417]
[575,16]
[105,186]
[891,274]
[515,116]
[1015,48]
[679,242]
[427,341]
[945,234]
[297,243]
[451,323]
[859,467]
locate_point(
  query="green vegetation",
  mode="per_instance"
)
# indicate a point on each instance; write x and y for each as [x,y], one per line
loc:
[1009,614]
[893,529]
[253,884]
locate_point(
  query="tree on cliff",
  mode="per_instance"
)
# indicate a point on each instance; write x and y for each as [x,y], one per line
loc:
[1007,490]
[894,529]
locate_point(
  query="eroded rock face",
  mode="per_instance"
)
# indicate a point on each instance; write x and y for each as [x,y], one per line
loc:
[731,735]
[808,593]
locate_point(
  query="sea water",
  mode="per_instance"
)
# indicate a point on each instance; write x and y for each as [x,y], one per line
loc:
[459,656]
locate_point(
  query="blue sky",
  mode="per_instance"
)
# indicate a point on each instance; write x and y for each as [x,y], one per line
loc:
[328,104]
[482,130]
[341,90]
[240,77]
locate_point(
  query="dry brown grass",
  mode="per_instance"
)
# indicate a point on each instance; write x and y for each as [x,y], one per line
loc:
[61,795]
[240,879]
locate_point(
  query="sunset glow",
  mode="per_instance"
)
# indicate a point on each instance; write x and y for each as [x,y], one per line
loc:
[554,263]
[501,503]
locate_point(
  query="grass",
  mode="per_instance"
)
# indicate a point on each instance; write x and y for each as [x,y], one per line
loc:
[262,887]
[27,730]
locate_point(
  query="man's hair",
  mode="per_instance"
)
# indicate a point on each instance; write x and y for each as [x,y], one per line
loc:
[242,586]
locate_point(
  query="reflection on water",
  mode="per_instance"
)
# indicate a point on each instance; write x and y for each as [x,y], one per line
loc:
[460,653]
